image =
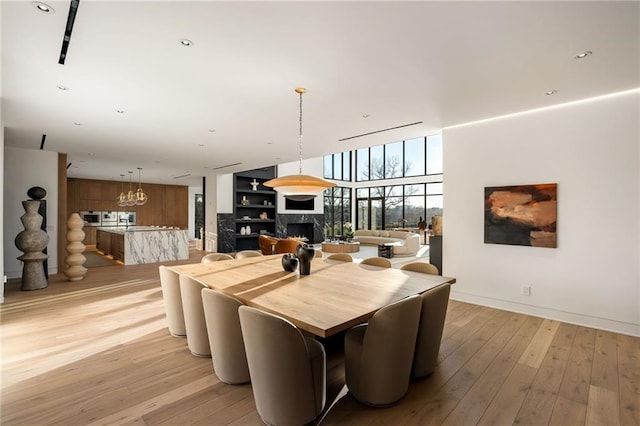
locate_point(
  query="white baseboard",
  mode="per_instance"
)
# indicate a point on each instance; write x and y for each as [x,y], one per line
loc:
[568,317]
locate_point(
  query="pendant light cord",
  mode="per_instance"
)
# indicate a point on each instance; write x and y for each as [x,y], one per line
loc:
[300,90]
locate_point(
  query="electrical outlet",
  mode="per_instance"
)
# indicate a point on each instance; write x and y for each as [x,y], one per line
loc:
[526,290]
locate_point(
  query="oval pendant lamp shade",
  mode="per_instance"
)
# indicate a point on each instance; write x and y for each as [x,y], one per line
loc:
[299,187]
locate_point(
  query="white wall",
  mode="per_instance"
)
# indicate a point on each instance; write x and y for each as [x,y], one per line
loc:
[24,168]
[210,242]
[311,166]
[225,193]
[591,150]
[2,267]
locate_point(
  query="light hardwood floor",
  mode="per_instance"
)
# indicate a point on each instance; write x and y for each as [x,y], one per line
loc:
[97,352]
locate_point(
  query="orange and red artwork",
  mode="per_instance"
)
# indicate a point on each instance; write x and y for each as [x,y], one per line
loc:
[524,215]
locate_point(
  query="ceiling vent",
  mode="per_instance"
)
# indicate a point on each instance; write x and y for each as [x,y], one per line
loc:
[228,165]
[182,176]
[380,131]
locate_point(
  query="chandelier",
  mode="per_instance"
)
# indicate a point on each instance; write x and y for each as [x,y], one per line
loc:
[131,198]
[299,187]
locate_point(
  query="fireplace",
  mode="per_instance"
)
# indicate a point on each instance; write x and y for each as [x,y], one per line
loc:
[301,230]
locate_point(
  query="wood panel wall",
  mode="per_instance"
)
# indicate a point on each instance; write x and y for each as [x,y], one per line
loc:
[62,211]
[168,205]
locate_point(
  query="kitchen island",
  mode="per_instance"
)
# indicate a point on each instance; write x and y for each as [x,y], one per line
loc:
[135,245]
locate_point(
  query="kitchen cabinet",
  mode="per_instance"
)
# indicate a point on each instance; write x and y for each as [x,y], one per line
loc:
[168,205]
[103,241]
[90,235]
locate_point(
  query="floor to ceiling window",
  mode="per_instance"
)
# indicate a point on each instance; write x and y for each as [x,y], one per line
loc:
[415,168]
[337,210]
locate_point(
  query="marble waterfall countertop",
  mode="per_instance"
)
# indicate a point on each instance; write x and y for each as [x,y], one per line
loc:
[149,244]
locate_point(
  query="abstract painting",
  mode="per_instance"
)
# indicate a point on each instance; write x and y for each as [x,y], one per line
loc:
[523,215]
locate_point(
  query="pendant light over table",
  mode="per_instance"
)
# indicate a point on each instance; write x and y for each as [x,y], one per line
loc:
[299,187]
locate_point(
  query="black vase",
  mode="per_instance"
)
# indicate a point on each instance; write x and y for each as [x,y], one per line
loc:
[305,254]
[289,262]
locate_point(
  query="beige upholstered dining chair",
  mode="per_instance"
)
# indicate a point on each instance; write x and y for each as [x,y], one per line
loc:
[432,317]
[197,338]
[170,283]
[225,336]
[423,267]
[288,369]
[377,261]
[378,355]
[344,257]
[214,257]
[247,253]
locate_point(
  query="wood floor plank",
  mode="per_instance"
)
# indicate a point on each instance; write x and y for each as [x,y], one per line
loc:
[568,412]
[504,407]
[603,409]
[629,379]
[436,409]
[474,402]
[151,404]
[98,351]
[539,402]
[537,349]
[605,361]
[577,377]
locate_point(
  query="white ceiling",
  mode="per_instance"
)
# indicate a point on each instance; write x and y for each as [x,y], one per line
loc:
[439,63]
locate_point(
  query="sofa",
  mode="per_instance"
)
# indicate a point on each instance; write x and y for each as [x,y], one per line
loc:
[404,243]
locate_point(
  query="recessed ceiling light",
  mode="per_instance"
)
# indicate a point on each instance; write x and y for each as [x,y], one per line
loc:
[551,92]
[365,115]
[583,54]
[185,42]
[43,7]
[63,88]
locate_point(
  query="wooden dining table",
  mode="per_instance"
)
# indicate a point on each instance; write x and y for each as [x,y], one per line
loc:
[334,297]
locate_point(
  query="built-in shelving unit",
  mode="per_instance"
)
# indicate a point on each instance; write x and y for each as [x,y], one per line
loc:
[249,204]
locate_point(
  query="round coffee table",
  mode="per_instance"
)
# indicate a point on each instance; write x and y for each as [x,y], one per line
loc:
[341,247]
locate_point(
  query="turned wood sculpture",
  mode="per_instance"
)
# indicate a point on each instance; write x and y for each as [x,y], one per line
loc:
[75,259]
[31,242]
